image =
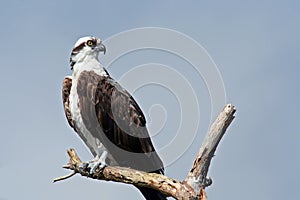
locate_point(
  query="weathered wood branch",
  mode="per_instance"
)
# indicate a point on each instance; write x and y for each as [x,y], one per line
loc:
[191,188]
[201,163]
[168,186]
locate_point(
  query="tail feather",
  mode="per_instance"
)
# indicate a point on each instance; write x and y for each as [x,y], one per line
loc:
[151,194]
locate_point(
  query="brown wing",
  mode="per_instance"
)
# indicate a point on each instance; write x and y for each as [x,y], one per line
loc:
[112,115]
[66,88]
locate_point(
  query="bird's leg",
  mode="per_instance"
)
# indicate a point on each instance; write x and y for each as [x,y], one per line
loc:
[98,162]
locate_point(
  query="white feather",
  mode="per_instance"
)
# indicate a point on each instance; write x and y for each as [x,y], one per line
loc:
[87,60]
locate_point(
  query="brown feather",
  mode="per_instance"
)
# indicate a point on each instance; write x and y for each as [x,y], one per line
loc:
[112,115]
[66,89]
[67,84]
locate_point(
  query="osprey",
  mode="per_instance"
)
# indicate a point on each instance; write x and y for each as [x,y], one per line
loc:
[106,116]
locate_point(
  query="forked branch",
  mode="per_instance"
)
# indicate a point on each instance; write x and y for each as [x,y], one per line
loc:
[191,188]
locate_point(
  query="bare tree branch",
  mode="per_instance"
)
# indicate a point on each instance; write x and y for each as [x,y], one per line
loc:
[197,177]
[191,188]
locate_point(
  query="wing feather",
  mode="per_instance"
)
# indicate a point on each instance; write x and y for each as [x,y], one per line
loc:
[111,114]
[66,89]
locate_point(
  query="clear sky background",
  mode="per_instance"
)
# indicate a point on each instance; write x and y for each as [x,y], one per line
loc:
[255,45]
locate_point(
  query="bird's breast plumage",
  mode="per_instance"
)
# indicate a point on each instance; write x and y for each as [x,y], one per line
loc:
[92,142]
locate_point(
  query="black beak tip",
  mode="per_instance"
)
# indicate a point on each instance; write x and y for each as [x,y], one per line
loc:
[103,49]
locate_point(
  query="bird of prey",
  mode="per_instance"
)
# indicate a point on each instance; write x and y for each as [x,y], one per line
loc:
[106,116]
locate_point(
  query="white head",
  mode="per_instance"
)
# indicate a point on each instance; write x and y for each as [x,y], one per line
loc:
[86,48]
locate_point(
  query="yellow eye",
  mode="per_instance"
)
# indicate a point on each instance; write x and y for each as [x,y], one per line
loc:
[90,43]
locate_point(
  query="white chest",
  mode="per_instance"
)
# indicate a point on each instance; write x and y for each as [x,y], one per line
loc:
[93,143]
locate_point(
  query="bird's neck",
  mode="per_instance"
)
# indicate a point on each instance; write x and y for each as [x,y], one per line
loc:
[88,64]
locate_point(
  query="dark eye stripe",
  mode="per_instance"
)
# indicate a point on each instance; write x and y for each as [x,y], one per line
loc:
[78,48]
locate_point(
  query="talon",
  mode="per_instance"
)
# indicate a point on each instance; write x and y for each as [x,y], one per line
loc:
[98,162]
[102,165]
[95,165]
[83,166]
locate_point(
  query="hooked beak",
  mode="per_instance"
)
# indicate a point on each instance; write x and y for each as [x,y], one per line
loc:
[101,47]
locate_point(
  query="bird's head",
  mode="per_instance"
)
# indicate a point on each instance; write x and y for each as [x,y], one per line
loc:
[86,48]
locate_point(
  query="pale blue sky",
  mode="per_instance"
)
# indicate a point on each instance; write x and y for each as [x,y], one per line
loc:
[255,45]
